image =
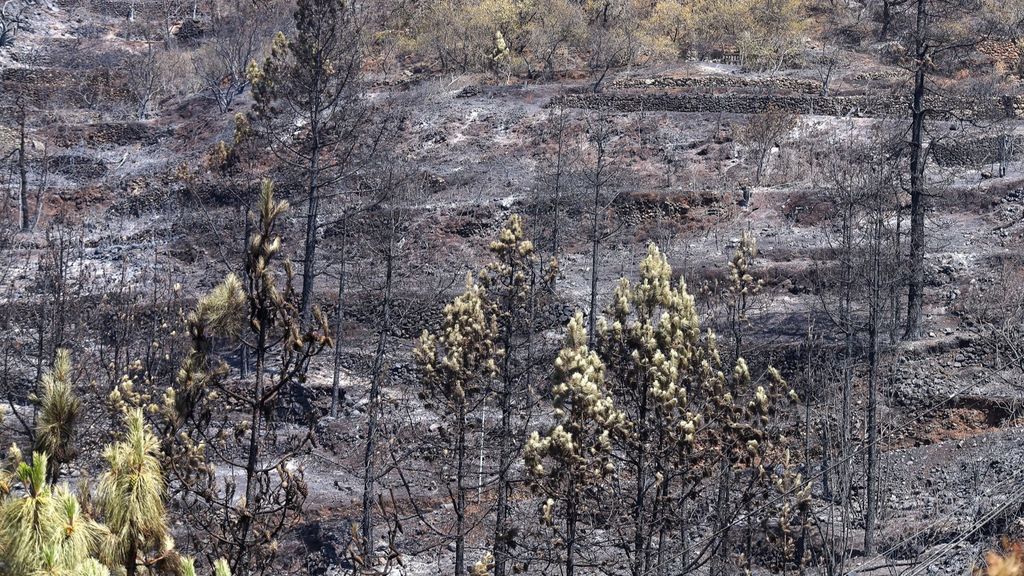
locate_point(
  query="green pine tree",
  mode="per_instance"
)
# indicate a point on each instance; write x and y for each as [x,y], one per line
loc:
[44,531]
[131,496]
[59,409]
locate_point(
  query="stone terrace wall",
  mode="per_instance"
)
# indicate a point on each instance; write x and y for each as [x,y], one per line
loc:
[973,153]
[76,87]
[786,85]
[857,106]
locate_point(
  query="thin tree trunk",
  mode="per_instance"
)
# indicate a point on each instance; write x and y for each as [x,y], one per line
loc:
[241,567]
[505,454]
[558,186]
[872,416]
[915,292]
[23,209]
[571,517]
[312,192]
[592,316]
[40,355]
[460,493]
[244,360]
[37,202]
[369,471]
[309,252]
[886,19]
[663,502]
[721,567]
[640,543]
[339,322]
[131,560]
[871,511]
[894,291]
[595,242]
[845,449]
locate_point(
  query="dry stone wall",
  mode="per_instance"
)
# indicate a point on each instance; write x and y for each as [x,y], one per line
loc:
[974,152]
[857,106]
[75,87]
[785,85]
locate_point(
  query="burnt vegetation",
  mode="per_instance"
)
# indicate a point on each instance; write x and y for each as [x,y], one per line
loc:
[502,287]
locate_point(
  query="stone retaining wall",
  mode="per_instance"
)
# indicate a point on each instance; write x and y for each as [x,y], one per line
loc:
[108,134]
[76,87]
[787,85]
[973,153]
[856,106]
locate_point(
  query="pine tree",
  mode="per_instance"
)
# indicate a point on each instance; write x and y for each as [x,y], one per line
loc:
[486,340]
[508,281]
[315,75]
[654,398]
[578,446]
[652,344]
[131,495]
[45,530]
[261,498]
[457,362]
[29,524]
[58,416]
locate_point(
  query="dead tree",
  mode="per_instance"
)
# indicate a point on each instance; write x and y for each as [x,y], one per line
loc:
[762,134]
[387,246]
[145,79]
[935,33]
[599,177]
[24,218]
[238,32]
[862,188]
[558,181]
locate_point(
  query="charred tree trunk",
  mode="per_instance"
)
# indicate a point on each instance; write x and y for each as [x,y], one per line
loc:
[315,111]
[23,209]
[241,567]
[372,408]
[571,518]
[721,564]
[875,310]
[915,292]
[309,249]
[640,542]
[460,492]
[339,322]
[131,560]
[505,455]
[559,168]
[595,236]
[244,354]
[886,20]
